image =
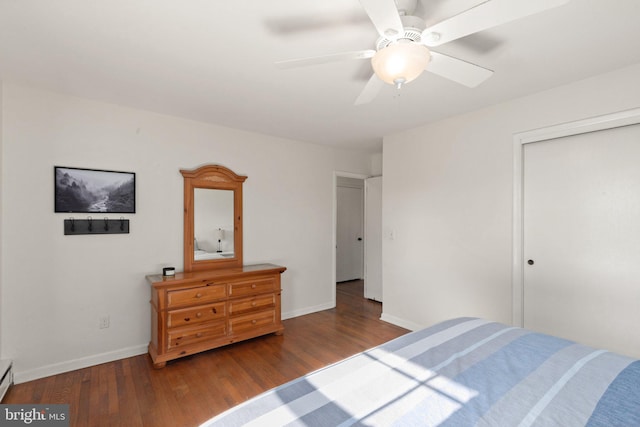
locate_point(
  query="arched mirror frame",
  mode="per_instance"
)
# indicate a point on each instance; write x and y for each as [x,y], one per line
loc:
[218,178]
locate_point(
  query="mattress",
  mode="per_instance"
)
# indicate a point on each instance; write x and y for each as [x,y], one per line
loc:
[462,372]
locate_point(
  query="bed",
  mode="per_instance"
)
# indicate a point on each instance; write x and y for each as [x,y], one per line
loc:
[462,372]
[199,254]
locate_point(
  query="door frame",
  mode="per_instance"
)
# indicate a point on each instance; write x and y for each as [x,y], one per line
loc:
[593,124]
[368,250]
[337,174]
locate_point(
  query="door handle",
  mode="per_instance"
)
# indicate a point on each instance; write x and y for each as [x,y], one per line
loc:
[530,262]
[359,239]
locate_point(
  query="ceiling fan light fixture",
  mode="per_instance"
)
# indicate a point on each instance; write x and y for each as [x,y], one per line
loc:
[400,62]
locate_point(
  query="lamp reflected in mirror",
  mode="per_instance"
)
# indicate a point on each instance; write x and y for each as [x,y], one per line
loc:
[220,236]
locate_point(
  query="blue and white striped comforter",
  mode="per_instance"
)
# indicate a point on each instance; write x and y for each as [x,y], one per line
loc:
[462,372]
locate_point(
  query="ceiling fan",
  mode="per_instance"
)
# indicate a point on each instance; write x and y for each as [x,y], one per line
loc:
[403,51]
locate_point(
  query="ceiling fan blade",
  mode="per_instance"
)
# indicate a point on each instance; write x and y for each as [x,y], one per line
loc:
[486,15]
[385,17]
[370,91]
[344,56]
[457,70]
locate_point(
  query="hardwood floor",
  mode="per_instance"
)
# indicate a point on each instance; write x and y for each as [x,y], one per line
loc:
[189,391]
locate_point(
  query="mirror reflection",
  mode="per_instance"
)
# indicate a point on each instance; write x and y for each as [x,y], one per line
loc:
[213,228]
[212,218]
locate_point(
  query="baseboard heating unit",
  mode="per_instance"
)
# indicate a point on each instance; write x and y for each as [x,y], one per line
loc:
[6,372]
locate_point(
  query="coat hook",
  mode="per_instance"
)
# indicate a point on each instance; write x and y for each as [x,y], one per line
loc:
[106,224]
[121,223]
[90,221]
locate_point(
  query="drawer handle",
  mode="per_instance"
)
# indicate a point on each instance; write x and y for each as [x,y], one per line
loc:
[254,321]
[214,310]
[198,314]
[209,284]
[199,334]
[198,295]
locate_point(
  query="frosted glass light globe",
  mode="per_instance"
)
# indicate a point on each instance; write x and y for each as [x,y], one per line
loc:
[400,62]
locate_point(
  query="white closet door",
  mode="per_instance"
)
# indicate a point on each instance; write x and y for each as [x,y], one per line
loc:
[373,238]
[349,234]
[582,238]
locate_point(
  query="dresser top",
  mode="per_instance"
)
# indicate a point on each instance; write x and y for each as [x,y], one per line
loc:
[216,274]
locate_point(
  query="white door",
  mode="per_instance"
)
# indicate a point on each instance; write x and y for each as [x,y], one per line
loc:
[349,234]
[582,238]
[373,238]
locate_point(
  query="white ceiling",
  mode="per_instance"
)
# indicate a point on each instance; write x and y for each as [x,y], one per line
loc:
[213,61]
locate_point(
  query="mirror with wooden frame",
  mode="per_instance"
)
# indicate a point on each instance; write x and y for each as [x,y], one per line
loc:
[212,218]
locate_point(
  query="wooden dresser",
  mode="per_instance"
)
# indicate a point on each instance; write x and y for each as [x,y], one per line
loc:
[200,310]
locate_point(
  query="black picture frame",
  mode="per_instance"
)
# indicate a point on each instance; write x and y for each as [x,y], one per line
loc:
[81,190]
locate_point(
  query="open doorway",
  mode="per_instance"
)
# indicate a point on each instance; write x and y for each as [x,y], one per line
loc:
[358,233]
[349,229]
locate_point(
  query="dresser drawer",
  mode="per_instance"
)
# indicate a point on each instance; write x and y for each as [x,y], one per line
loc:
[240,324]
[183,336]
[251,287]
[258,302]
[196,295]
[199,314]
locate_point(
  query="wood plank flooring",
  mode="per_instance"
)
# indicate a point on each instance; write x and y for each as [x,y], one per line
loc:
[189,391]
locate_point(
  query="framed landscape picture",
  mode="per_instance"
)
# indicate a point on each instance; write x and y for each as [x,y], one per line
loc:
[94,191]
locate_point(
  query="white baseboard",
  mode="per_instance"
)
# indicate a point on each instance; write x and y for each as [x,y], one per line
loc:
[72,365]
[307,310]
[85,362]
[403,323]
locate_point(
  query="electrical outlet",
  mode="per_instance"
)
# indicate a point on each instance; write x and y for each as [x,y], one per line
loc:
[104,322]
[389,234]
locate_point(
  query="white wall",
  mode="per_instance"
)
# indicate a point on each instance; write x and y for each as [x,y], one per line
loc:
[448,199]
[376,164]
[55,287]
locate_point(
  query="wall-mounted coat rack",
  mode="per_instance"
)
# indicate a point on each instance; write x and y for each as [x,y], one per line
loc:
[96,226]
